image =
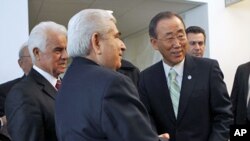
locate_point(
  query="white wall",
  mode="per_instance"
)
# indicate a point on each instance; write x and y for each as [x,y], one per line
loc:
[14,32]
[229,30]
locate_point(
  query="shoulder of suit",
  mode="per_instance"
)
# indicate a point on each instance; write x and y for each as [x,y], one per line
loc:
[106,72]
[153,68]
[245,65]
[203,61]
[9,84]
[126,65]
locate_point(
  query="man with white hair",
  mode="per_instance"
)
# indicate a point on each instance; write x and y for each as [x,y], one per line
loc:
[95,102]
[29,106]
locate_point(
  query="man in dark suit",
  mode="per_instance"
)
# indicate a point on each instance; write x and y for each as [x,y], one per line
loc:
[29,106]
[130,70]
[185,96]
[25,63]
[240,95]
[95,102]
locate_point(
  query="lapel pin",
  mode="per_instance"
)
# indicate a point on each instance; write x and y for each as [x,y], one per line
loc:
[189,77]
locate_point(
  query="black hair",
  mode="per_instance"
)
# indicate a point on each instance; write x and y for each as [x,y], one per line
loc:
[157,18]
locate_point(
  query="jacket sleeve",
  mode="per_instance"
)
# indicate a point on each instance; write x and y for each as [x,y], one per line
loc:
[221,107]
[23,116]
[124,117]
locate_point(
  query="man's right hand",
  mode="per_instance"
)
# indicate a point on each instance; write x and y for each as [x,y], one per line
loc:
[164,137]
[3,121]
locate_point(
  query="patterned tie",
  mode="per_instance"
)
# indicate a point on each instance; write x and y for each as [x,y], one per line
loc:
[58,84]
[174,90]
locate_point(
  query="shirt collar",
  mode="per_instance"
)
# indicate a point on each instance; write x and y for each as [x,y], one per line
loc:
[178,68]
[52,80]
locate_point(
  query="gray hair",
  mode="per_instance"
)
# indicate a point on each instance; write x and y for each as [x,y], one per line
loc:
[82,26]
[40,33]
[21,50]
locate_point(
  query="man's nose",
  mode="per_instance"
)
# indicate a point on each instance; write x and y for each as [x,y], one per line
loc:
[176,43]
[65,54]
[123,46]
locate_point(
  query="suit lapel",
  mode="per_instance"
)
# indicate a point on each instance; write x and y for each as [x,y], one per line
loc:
[187,85]
[44,85]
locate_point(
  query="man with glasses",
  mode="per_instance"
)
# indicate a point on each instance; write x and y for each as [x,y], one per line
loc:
[197,38]
[25,63]
[185,95]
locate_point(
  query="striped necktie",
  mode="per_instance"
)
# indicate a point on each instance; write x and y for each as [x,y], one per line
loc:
[174,90]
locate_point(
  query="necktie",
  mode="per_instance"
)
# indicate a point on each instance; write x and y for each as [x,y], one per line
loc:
[58,84]
[174,90]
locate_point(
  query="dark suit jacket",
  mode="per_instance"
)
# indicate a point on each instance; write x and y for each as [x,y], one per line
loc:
[98,104]
[239,93]
[204,107]
[4,90]
[130,70]
[29,108]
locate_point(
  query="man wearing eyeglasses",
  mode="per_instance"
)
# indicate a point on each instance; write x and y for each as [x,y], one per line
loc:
[197,38]
[185,96]
[25,63]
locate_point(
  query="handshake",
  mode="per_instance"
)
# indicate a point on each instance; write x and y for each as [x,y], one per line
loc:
[164,137]
[3,121]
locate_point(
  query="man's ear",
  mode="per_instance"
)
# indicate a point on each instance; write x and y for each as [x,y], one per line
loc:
[20,62]
[154,43]
[36,53]
[95,40]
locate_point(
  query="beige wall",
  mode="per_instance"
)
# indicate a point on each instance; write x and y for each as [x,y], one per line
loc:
[139,50]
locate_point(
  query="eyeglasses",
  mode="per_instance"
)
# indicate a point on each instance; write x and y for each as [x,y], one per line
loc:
[172,38]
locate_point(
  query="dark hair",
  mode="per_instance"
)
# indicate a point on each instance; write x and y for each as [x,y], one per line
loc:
[196,30]
[157,18]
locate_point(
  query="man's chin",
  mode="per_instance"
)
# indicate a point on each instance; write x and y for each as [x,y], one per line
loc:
[62,70]
[118,66]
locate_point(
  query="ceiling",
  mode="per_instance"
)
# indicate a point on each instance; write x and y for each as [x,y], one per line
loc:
[132,15]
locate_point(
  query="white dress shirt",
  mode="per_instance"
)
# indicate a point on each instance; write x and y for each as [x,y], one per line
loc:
[178,69]
[52,80]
